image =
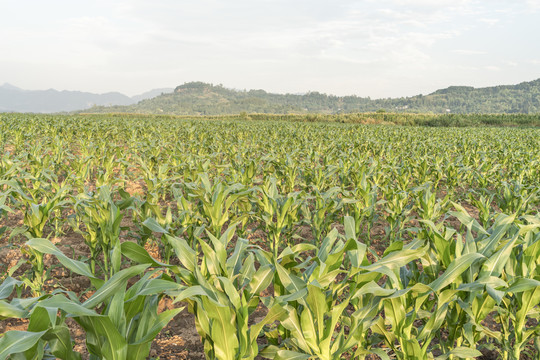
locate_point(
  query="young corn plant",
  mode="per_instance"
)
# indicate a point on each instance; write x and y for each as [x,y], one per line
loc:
[397,207]
[287,169]
[246,172]
[4,210]
[518,306]
[279,213]
[216,201]
[516,198]
[414,314]
[483,285]
[156,178]
[361,203]
[427,204]
[483,204]
[326,210]
[37,215]
[144,210]
[187,222]
[319,324]
[124,327]
[222,289]
[101,217]
[105,174]
[520,303]
[35,277]
[320,177]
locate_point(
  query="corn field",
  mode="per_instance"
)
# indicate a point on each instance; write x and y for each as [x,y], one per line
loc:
[279,240]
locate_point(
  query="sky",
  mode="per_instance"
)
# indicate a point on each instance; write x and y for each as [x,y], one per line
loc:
[375,48]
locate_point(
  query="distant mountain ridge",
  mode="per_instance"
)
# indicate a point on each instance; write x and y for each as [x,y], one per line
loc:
[198,98]
[14,99]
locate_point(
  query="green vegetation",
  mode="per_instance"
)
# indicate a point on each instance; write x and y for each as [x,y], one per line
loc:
[283,239]
[403,119]
[197,98]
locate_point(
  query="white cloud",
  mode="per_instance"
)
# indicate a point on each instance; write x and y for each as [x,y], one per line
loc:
[510,63]
[489,21]
[469,52]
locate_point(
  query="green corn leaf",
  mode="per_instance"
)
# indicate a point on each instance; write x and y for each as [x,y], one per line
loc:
[523,284]
[223,332]
[350,228]
[291,355]
[275,313]
[184,252]
[372,288]
[191,292]
[261,279]
[60,343]
[291,282]
[13,342]
[231,292]
[494,265]
[157,286]
[160,322]
[103,339]
[46,247]
[8,310]
[397,259]
[456,268]
[7,287]
[137,253]
[292,323]
[111,286]
[58,301]
[154,226]
[460,352]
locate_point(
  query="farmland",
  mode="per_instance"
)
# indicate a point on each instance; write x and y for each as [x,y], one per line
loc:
[238,239]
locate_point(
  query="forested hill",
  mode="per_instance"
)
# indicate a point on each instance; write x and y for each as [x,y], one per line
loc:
[197,98]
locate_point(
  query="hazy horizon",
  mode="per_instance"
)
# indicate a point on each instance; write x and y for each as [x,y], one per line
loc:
[380,49]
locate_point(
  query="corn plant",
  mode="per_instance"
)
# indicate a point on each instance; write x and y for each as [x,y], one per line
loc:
[123,329]
[287,169]
[4,210]
[156,178]
[427,204]
[483,204]
[397,207]
[144,210]
[361,204]
[326,211]
[101,217]
[187,222]
[222,291]
[246,172]
[516,198]
[216,201]
[318,323]
[37,215]
[279,213]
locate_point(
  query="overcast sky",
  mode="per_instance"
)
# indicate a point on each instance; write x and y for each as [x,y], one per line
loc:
[376,48]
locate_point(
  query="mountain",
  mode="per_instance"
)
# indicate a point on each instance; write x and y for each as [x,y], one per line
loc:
[14,99]
[151,94]
[198,98]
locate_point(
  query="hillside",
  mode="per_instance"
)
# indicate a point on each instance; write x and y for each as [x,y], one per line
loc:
[14,99]
[197,98]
